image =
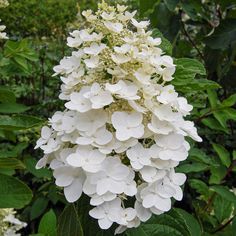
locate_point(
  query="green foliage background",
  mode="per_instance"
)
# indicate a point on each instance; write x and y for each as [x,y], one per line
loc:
[200,35]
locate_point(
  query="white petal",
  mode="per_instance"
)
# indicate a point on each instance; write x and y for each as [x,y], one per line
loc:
[74,191]
[105,223]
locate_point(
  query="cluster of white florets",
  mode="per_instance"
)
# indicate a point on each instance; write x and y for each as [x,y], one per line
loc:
[123,129]
[9,224]
[3,35]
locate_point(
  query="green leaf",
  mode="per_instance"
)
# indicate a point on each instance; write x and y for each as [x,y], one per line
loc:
[171,4]
[13,193]
[146,5]
[18,122]
[69,223]
[15,151]
[230,101]
[48,224]
[41,173]
[38,207]
[184,77]
[217,174]
[21,61]
[224,192]
[213,98]
[214,124]
[10,108]
[191,223]
[200,187]
[6,95]
[177,222]
[234,154]
[222,208]
[11,163]
[224,35]
[166,46]
[199,155]
[223,154]
[194,167]
[188,68]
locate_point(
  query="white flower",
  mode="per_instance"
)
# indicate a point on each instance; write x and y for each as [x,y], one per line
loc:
[97,200]
[124,89]
[107,213]
[141,24]
[94,49]
[72,180]
[127,16]
[90,121]
[88,159]
[167,95]
[115,27]
[151,197]
[98,97]
[87,37]
[123,49]
[120,58]
[74,41]
[159,127]
[92,62]
[100,138]
[89,15]
[128,125]
[142,76]
[78,102]
[67,65]
[138,156]
[107,16]
[154,41]
[63,122]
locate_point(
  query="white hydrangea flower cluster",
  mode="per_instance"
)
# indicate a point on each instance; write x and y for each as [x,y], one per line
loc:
[123,130]
[9,224]
[3,35]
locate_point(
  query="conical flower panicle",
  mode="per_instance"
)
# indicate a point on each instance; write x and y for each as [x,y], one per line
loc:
[123,131]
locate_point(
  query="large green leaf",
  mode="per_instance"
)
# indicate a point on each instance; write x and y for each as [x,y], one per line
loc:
[69,223]
[214,124]
[177,222]
[6,95]
[9,108]
[194,167]
[184,77]
[13,193]
[38,207]
[223,154]
[222,208]
[17,122]
[224,35]
[48,224]
[224,192]
[11,163]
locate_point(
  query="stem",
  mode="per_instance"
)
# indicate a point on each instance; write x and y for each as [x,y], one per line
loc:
[224,225]
[192,42]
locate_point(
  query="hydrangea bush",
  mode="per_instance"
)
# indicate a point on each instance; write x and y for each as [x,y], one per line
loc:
[123,129]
